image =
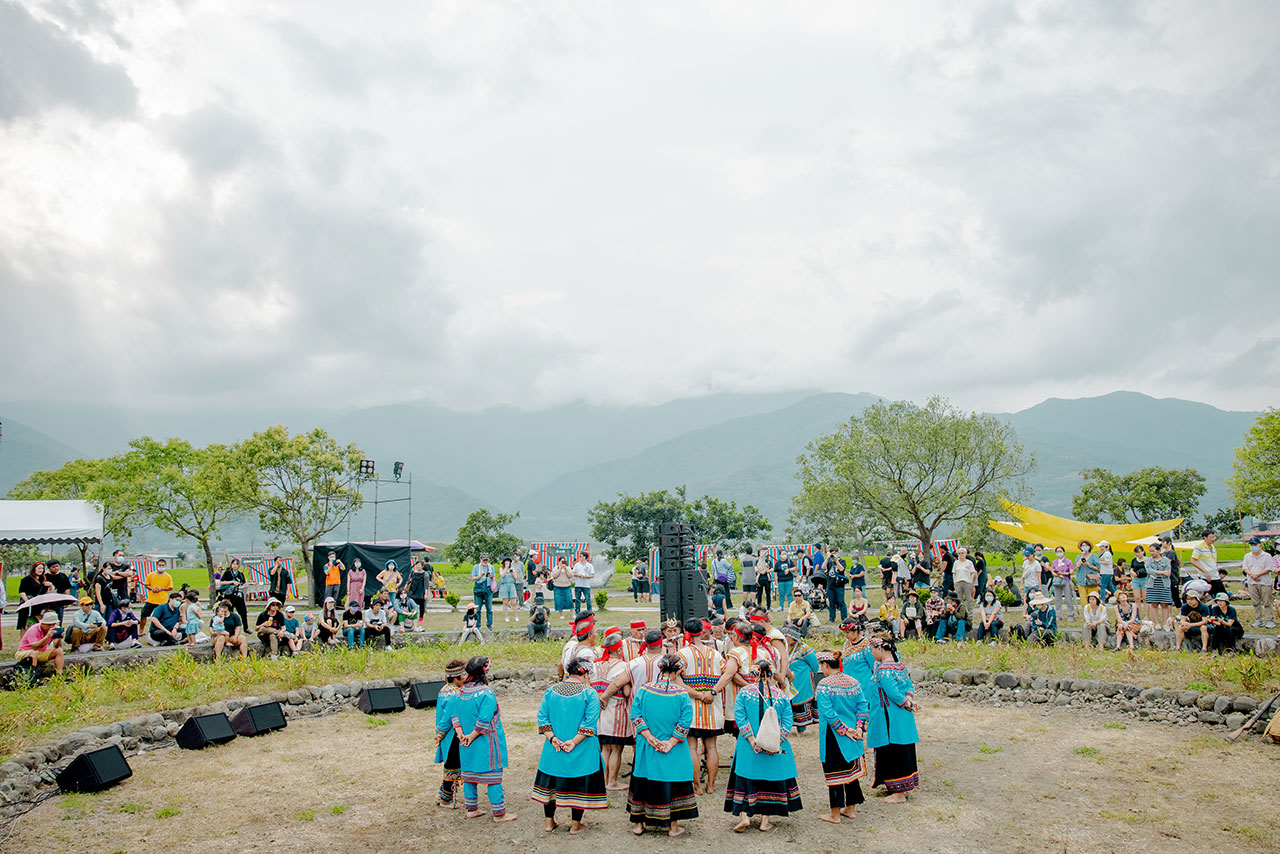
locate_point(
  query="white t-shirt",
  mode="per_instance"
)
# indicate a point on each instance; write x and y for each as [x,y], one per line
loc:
[377,620]
[964,571]
[1260,563]
[583,572]
[1030,573]
[1106,563]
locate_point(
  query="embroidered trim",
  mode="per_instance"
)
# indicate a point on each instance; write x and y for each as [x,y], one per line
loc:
[570,689]
[586,731]
[681,732]
[544,729]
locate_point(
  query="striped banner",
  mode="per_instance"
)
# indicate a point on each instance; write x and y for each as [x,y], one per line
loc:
[257,569]
[142,567]
[771,552]
[700,553]
[894,546]
[548,552]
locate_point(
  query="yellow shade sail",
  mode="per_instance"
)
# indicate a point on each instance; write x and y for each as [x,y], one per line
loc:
[1069,532]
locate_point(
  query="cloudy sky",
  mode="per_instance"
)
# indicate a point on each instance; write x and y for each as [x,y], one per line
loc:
[205,203]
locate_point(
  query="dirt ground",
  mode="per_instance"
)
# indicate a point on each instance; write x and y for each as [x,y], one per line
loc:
[1011,780]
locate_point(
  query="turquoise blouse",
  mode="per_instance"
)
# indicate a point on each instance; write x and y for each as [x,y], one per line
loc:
[444,721]
[841,707]
[860,665]
[803,667]
[890,722]
[476,708]
[665,710]
[569,708]
[747,713]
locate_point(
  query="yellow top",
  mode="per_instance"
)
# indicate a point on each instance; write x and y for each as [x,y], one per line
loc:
[162,580]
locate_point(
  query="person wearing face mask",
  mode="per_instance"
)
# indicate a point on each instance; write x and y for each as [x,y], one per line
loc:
[1030,572]
[1088,572]
[990,623]
[1061,568]
[1159,594]
[355,584]
[1259,573]
[1106,571]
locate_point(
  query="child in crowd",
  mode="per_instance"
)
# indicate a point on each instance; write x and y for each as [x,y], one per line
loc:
[438,588]
[470,626]
[191,616]
[310,631]
[912,615]
[292,632]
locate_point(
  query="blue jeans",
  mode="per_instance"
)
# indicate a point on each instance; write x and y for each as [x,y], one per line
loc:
[352,635]
[582,599]
[992,633]
[1108,585]
[947,623]
[835,599]
[784,594]
[484,600]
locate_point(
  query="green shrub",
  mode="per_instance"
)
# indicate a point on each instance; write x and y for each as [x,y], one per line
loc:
[602,600]
[1005,595]
[453,599]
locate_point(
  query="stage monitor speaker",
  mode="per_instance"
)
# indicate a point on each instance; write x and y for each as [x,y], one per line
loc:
[423,694]
[95,770]
[255,720]
[198,733]
[376,700]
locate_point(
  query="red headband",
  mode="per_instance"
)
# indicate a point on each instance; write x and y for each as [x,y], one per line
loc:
[637,624]
[658,642]
[758,618]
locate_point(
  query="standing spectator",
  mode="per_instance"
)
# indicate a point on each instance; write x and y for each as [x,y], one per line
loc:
[1088,573]
[122,626]
[377,624]
[280,580]
[1194,617]
[583,572]
[228,631]
[100,590]
[1175,568]
[965,574]
[121,574]
[1224,627]
[355,583]
[837,580]
[508,590]
[1030,571]
[1159,593]
[88,628]
[59,582]
[430,572]
[642,567]
[159,585]
[748,563]
[1259,573]
[42,643]
[765,584]
[1204,558]
[483,583]
[562,586]
[638,577]
[1096,625]
[980,564]
[353,624]
[887,568]
[948,561]
[1042,621]
[784,574]
[522,595]
[191,616]
[270,627]
[478,726]
[858,576]
[818,561]
[416,589]
[231,587]
[162,622]
[1061,569]
[902,573]
[33,584]
[723,577]
[1106,571]
[1128,621]
[1138,581]
[333,577]
[921,569]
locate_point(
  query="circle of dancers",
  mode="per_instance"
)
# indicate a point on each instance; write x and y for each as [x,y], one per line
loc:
[669,693]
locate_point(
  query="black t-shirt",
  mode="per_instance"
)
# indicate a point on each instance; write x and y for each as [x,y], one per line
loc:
[120,585]
[231,577]
[61,583]
[1229,615]
[784,569]
[350,618]
[231,622]
[265,617]
[1194,613]
[417,584]
[32,586]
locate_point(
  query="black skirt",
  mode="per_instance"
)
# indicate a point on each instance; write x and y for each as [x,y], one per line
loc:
[804,714]
[704,733]
[837,770]
[576,793]
[730,728]
[896,768]
[660,802]
[617,739]
[761,797]
[453,762]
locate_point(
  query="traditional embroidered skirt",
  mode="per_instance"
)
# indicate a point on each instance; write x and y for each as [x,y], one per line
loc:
[660,802]
[574,793]
[704,733]
[836,768]
[805,714]
[896,768]
[617,739]
[761,797]
[453,763]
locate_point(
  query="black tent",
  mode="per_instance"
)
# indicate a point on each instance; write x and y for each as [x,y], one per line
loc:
[373,559]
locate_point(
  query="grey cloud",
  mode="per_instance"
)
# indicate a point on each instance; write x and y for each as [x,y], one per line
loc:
[40,67]
[216,138]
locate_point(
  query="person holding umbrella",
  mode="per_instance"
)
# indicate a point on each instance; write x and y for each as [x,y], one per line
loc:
[33,584]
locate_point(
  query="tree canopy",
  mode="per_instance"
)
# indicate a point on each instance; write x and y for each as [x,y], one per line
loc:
[912,469]
[483,532]
[629,526]
[1146,495]
[1255,480]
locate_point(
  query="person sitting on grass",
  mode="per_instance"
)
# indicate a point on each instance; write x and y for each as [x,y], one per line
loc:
[228,631]
[42,643]
[270,628]
[1194,617]
[88,628]
[470,626]
[377,624]
[912,615]
[163,624]
[1224,626]
[292,631]
[353,624]
[1042,621]
[122,626]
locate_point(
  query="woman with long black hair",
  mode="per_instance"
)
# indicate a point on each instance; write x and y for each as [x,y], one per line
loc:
[661,790]
[762,780]
[570,773]
[477,722]
[891,730]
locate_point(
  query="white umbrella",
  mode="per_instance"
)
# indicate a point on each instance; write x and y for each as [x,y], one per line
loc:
[48,600]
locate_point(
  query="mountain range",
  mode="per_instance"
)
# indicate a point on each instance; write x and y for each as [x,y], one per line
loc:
[553,465]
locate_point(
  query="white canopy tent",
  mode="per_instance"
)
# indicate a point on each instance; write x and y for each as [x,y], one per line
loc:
[56,522]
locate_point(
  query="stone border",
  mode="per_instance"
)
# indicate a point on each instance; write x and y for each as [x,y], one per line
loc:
[35,768]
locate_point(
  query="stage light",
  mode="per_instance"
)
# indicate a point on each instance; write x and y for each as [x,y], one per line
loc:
[397,470]
[367,468]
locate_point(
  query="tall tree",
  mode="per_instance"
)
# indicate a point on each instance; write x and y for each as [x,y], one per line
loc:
[483,533]
[1146,495]
[95,480]
[1255,481]
[715,520]
[304,485]
[913,469]
[187,491]
[629,526]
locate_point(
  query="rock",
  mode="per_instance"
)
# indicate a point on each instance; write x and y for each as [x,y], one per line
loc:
[341,690]
[1210,717]
[327,693]
[1062,700]
[354,688]
[156,733]
[1039,697]
[97,731]
[1129,691]
[1039,683]
[1112,689]
[1149,694]
[1235,720]
[979,677]
[1024,681]
[1088,686]
[295,698]
[953,690]
[1244,704]
[1206,701]
[129,743]
[1188,698]
[232,706]
[11,769]
[1222,705]
[951,677]
[1006,680]
[172,728]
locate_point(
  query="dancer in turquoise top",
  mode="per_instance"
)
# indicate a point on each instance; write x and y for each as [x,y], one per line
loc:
[446,739]
[892,728]
[761,782]
[856,659]
[661,790]
[842,733]
[804,666]
[570,773]
[478,725]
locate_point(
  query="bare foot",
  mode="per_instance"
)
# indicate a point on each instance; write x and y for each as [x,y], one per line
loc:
[742,825]
[830,819]
[676,831]
[616,787]
[476,814]
[637,829]
[550,825]
[697,790]
[847,812]
[765,826]
[576,827]
[899,798]
[508,817]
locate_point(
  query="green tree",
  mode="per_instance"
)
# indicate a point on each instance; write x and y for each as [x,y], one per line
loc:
[629,526]
[483,533]
[977,534]
[715,520]
[819,522]
[913,469]
[187,491]
[303,486]
[1255,481]
[1146,495]
[1225,521]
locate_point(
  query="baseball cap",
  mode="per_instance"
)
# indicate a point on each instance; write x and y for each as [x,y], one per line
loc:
[289,609]
[1255,541]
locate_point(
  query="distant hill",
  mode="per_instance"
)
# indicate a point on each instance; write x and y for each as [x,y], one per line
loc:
[24,450]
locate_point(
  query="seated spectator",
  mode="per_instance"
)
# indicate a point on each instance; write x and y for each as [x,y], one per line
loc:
[329,624]
[88,628]
[1042,622]
[164,627]
[1096,625]
[310,632]
[353,624]
[1194,617]
[470,625]
[912,615]
[406,613]
[889,619]
[1009,584]
[377,624]
[42,643]
[292,631]
[122,626]
[270,628]
[1128,624]
[191,615]
[934,608]
[1224,627]
[227,630]
[538,622]
[800,614]
[952,621]
[990,618]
